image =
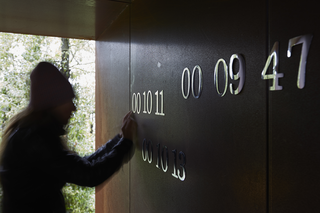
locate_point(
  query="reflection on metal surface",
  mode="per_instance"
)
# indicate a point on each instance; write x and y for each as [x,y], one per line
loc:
[157,102]
[158,156]
[147,150]
[164,167]
[216,79]
[143,151]
[149,95]
[147,102]
[133,102]
[240,75]
[150,151]
[161,103]
[174,174]
[197,67]
[185,96]
[305,40]
[274,54]
[183,176]
[136,103]
[163,159]
[144,102]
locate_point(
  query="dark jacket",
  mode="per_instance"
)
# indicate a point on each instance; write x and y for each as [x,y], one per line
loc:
[35,167]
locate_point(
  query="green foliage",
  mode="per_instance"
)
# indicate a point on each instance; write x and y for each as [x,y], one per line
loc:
[79,199]
[19,54]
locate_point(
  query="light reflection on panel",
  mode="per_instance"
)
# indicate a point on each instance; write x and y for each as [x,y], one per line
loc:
[208,149]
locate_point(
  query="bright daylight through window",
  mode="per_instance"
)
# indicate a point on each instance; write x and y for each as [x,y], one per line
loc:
[19,54]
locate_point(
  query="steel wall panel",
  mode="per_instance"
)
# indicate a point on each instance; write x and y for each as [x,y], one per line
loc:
[223,138]
[294,113]
[112,86]
[252,152]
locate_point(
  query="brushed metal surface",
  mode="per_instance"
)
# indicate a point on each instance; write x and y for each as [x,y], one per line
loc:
[294,112]
[223,138]
[209,152]
[112,94]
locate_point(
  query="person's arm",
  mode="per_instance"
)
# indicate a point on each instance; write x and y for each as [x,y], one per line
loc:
[106,148]
[96,169]
[75,169]
[128,130]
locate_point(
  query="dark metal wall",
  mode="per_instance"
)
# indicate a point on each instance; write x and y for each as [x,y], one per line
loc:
[112,94]
[294,113]
[256,151]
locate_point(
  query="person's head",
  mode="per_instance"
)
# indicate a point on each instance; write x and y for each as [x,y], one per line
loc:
[51,97]
[51,92]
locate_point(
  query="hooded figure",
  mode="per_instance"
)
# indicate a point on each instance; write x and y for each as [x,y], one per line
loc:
[35,162]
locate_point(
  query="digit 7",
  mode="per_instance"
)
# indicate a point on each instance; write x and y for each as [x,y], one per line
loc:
[305,40]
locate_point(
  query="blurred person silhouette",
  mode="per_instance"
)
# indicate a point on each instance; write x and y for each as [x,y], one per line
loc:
[36,162]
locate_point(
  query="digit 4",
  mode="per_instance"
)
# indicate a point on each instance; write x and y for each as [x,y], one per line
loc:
[274,55]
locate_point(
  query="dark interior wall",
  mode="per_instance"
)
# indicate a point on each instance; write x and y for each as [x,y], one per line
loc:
[294,113]
[112,95]
[256,151]
[223,138]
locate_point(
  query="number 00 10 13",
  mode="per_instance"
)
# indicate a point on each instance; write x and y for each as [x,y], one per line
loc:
[163,159]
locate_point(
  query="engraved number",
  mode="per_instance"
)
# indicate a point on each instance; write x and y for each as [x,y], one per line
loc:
[161,103]
[182,177]
[174,174]
[133,102]
[144,102]
[136,103]
[164,165]
[143,151]
[275,75]
[158,156]
[197,67]
[216,79]
[147,151]
[305,40]
[185,96]
[147,100]
[196,93]
[240,75]
[163,159]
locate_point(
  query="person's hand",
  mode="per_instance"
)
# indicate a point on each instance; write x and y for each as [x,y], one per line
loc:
[129,127]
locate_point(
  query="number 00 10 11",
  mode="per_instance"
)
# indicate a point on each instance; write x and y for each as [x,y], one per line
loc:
[147,102]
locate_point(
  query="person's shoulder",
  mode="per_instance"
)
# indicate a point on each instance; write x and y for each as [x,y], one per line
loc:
[34,140]
[27,134]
